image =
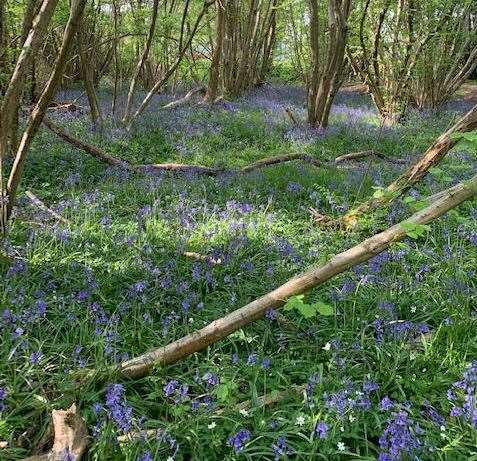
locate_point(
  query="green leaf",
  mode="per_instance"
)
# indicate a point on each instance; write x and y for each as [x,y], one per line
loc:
[414,230]
[307,310]
[324,309]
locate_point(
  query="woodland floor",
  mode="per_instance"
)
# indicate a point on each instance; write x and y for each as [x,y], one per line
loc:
[113,283]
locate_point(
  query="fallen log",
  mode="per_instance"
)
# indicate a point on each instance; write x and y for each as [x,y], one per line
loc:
[222,327]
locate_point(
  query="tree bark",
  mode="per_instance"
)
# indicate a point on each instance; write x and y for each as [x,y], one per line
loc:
[38,112]
[221,328]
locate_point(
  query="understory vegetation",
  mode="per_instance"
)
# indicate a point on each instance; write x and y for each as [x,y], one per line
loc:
[391,373]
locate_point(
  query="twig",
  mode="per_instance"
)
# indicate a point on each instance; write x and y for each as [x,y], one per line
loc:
[37,202]
[185,99]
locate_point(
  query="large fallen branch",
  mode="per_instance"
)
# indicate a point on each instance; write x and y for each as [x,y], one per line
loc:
[237,319]
[186,98]
[433,155]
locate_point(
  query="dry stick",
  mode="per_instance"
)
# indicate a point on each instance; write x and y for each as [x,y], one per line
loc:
[36,201]
[202,258]
[222,327]
[367,153]
[262,401]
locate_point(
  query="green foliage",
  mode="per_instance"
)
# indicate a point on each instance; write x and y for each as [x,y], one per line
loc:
[308,310]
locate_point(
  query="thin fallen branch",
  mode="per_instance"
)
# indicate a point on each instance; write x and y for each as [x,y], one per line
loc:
[291,116]
[367,153]
[37,202]
[177,167]
[70,437]
[222,327]
[186,98]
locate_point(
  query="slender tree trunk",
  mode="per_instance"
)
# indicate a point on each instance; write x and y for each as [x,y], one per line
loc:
[13,92]
[38,112]
[140,64]
[214,71]
[183,47]
[86,71]
[434,154]
[221,328]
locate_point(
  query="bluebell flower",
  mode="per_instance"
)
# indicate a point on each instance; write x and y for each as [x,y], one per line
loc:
[280,448]
[321,429]
[238,441]
[35,357]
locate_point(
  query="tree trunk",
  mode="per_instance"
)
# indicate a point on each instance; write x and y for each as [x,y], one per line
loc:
[140,64]
[214,71]
[86,71]
[221,328]
[38,112]
[13,92]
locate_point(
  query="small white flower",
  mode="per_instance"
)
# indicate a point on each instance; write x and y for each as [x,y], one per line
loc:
[300,420]
[341,446]
[413,309]
[351,418]
[342,429]
[243,412]
[443,428]
[191,320]
[212,425]
[327,347]
[170,458]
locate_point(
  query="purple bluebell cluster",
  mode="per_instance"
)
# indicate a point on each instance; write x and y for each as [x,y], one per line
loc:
[3,396]
[401,438]
[116,409]
[281,449]
[352,397]
[463,396]
[238,440]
